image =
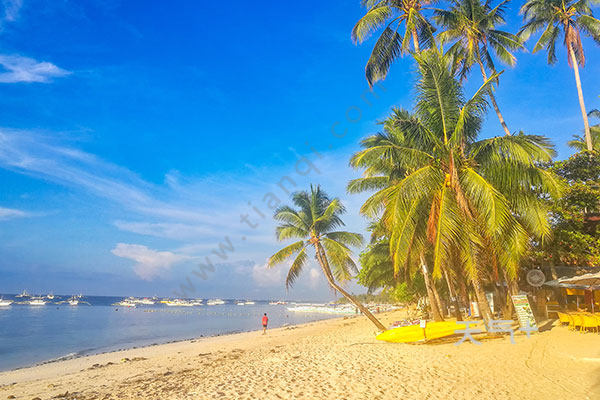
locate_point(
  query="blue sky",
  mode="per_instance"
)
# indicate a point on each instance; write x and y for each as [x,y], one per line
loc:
[134,136]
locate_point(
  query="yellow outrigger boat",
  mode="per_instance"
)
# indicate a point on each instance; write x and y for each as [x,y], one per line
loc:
[432,330]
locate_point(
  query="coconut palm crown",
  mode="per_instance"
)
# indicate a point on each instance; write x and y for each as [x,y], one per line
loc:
[391,44]
[315,222]
[567,19]
[472,26]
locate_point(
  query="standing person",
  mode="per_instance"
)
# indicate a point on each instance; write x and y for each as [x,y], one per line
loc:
[265,322]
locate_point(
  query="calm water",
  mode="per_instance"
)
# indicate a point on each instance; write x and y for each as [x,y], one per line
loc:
[34,334]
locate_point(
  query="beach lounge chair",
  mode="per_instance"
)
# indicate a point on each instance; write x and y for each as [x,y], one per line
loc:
[597,316]
[576,321]
[564,318]
[589,322]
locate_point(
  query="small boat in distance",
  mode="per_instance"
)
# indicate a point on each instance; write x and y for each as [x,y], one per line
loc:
[146,301]
[74,300]
[5,303]
[215,302]
[248,303]
[23,294]
[179,303]
[37,301]
[50,296]
[125,303]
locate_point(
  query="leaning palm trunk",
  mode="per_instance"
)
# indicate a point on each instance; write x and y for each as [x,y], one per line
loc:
[438,299]
[433,303]
[322,259]
[511,290]
[494,103]
[453,295]
[484,306]
[586,124]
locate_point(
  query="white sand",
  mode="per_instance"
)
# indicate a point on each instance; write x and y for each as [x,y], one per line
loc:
[335,359]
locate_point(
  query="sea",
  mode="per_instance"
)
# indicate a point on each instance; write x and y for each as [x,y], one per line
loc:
[31,335]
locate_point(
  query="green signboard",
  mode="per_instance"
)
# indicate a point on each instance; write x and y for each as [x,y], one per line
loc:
[524,312]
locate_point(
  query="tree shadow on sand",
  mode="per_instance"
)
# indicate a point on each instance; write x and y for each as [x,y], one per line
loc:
[547,325]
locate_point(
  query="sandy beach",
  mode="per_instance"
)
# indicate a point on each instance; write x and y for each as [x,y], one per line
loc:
[334,359]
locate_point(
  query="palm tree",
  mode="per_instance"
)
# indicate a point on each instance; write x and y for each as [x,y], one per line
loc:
[315,223]
[569,17]
[472,25]
[391,44]
[579,143]
[459,199]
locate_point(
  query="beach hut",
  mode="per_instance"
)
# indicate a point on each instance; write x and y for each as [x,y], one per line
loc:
[585,286]
[590,283]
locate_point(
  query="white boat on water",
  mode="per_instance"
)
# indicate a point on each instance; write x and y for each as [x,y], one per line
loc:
[146,301]
[249,303]
[5,303]
[50,296]
[215,302]
[179,303]
[240,303]
[125,303]
[74,300]
[37,301]
[23,294]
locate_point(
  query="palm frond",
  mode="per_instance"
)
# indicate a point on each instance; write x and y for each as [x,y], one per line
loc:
[285,253]
[296,268]
[346,238]
[375,18]
[387,48]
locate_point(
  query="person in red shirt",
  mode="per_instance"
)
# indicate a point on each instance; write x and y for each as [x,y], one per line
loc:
[265,322]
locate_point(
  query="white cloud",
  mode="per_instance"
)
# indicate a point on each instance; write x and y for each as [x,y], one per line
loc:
[315,277]
[25,69]
[33,154]
[150,263]
[11,9]
[8,213]
[264,276]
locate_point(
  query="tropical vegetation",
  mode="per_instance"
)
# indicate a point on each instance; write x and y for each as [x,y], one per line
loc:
[452,213]
[445,198]
[575,216]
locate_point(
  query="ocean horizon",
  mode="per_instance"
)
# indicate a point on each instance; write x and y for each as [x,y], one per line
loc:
[32,335]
